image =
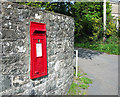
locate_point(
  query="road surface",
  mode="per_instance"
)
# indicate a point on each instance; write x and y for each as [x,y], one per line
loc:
[102,68]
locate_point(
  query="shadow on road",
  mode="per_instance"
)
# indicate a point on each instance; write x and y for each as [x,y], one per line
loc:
[86,53]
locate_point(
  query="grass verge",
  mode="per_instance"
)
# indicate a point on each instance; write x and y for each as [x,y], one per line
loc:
[111,46]
[80,84]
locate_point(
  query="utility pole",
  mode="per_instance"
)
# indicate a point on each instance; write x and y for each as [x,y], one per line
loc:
[104,20]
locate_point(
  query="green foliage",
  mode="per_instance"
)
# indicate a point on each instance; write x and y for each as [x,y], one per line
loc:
[111,45]
[78,74]
[111,28]
[84,93]
[72,89]
[88,18]
[119,28]
[59,7]
[83,86]
[74,73]
[85,73]
[79,83]
[86,80]
[42,5]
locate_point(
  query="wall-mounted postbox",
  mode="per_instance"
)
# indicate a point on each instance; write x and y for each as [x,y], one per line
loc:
[38,53]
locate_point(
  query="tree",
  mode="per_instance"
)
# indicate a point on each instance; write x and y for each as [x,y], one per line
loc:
[59,7]
[88,17]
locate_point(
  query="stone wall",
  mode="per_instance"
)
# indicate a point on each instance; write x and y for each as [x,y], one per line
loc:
[15,51]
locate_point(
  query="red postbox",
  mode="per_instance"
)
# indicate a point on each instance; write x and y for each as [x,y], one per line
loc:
[38,50]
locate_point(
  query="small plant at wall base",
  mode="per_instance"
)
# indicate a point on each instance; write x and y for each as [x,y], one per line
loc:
[85,80]
[80,84]
[84,86]
[72,89]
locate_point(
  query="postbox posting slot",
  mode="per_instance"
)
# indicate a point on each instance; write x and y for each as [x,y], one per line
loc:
[39,32]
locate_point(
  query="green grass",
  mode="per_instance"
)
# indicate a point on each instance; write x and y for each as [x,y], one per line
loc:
[85,73]
[72,89]
[83,86]
[85,80]
[84,93]
[78,74]
[79,83]
[111,46]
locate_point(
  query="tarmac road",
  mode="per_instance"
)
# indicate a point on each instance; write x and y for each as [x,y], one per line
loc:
[102,68]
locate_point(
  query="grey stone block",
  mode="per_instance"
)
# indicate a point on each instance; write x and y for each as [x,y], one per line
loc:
[13,58]
[8,34]
[17,91]
[5,82]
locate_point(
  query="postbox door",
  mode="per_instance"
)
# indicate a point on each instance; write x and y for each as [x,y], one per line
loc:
[39,57]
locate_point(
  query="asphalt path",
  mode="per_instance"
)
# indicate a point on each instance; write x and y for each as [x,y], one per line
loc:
[102,68]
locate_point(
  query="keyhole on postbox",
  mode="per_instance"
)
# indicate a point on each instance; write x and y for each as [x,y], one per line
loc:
[36,72]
